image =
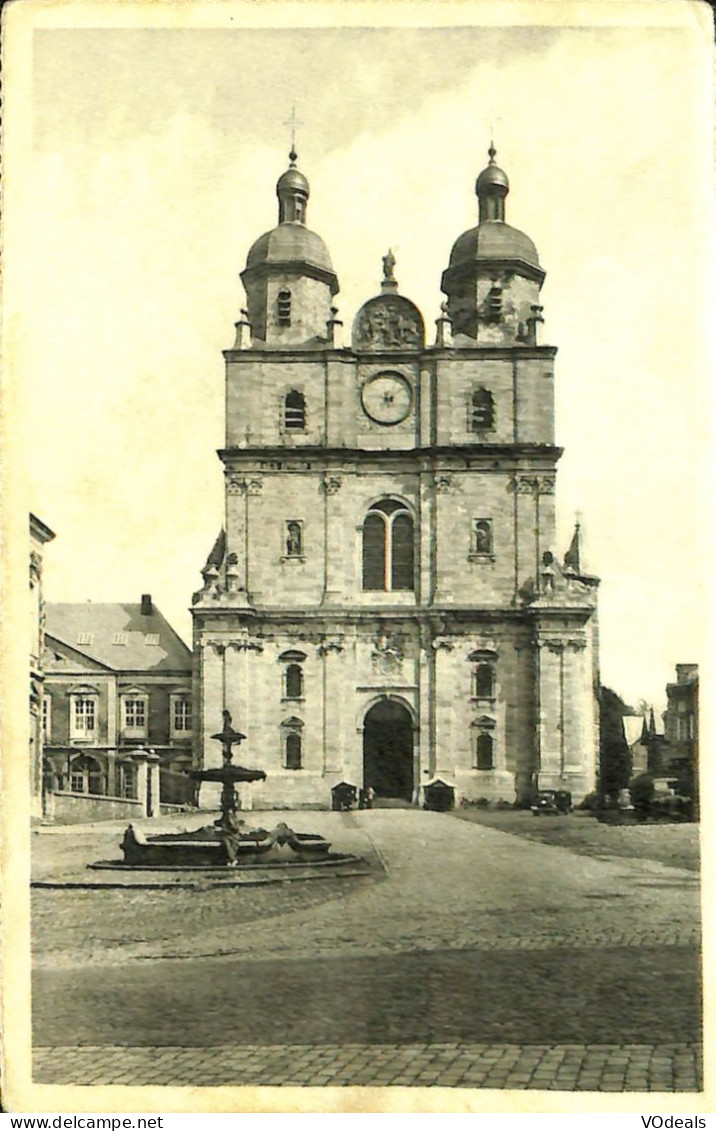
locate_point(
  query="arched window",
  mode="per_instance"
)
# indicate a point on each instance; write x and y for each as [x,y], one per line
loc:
[482,536]
[284,307]
[292,743]
[482,410]
[294,411]
[294,681]
[293,751]
[388,547]
[484,681]
[86,775]
[484,751]
[294,539]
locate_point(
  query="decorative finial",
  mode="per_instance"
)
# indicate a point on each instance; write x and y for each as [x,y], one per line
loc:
[293,121]
[388,266]
[492,152]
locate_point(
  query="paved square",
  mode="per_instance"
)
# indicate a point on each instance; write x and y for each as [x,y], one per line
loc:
[416,976]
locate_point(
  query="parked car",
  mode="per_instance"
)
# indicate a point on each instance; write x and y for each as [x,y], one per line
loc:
[552,802]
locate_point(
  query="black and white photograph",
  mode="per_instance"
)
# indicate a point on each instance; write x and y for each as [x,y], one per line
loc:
[357,398]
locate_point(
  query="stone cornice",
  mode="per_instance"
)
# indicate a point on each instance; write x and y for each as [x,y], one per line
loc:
[394,357]
[425,456]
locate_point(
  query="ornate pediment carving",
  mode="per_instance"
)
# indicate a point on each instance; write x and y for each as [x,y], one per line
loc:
[388,322]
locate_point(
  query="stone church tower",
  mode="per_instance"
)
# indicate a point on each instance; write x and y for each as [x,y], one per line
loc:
[384,604]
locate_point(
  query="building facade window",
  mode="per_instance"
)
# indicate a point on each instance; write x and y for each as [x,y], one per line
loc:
[388,548]
[86,775]
[284,307]
[293,752]
[46,717]
[294,539]
[482,410]
[181,723]
[481,537]
[135,709]
[294,411]
[484,748]
[484,681]
[292,743]
[293,682]
[493,304]
[83,717]
[127,781]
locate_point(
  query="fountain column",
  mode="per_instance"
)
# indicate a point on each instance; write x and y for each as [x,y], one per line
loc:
[212,658]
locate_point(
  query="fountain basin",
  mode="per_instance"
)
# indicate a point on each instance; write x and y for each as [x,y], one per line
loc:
[212,847]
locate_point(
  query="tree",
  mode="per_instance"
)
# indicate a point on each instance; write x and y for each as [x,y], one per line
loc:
[615,760]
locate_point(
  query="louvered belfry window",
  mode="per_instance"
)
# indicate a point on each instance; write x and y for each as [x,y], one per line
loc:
[482,410]
[294,412]
[284,308]
[388,548]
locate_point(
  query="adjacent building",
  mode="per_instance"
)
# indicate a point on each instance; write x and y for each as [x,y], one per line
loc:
[681,720]
[385,603]
[40,535]
[117,711]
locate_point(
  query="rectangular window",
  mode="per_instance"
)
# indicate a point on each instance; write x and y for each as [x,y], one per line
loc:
[83,716]
[182,716]
[152,638]
[119,638]
[84,637]
[46,717]
[135,716]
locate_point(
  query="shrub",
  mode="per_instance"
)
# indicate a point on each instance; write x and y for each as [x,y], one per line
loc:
[590,802]
[641,789]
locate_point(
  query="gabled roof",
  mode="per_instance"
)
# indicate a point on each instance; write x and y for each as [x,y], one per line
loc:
[91,629]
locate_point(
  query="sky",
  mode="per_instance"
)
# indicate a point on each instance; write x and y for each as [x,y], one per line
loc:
[147,167]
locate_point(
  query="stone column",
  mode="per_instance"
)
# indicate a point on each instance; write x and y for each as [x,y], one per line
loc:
[153,786]
[426,518]
[254,487]
[334,539]
[444,694]
[331,652]
[212,658]
[545,515]
[549,660]
[236,528]
[526,518]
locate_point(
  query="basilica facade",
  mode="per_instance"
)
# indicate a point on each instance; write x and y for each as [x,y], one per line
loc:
[385,603]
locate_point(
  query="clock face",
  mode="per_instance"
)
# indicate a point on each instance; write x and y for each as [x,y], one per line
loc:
[387,398]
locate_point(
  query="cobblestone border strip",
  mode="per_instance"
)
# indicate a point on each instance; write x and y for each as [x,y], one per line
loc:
[590,1068]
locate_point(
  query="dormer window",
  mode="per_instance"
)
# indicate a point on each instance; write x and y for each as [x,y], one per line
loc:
[284,307]
[482,410]
[294,412]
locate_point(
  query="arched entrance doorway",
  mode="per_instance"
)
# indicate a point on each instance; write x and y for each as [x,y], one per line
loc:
[388,750]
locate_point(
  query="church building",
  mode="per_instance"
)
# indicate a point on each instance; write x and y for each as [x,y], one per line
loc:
[385,604]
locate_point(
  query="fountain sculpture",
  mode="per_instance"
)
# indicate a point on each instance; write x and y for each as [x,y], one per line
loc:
[225,842]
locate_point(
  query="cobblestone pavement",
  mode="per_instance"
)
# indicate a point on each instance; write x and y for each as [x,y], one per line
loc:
[603,1068]
[431,958]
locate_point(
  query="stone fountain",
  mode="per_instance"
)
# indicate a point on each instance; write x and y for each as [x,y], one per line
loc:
[226,842]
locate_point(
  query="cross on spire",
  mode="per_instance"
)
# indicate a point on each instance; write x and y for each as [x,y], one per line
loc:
[293,121]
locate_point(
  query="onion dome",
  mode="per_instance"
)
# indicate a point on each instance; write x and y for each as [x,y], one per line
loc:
[291,243]
[493,239]
[492,180]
